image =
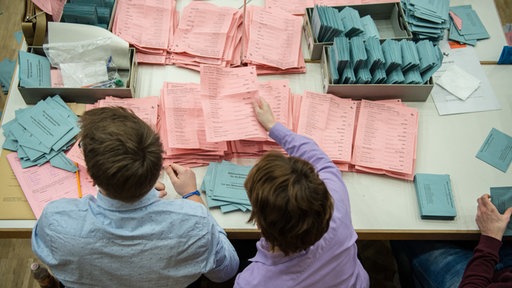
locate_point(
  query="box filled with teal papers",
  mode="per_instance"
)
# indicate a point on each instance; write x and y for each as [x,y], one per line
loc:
[384,19]
[378,88]
[435,199]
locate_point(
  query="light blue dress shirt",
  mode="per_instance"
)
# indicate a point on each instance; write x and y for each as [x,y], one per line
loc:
[102,242]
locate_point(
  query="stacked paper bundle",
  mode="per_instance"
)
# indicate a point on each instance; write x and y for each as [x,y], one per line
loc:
[95,12]
[224,97]
[329,23]
[393,62]
[435,197]
[148,26]
[42,133]
[362,136]
[224,186]
[427,19]
[465,25]
[145,108]
[326,23]
[182,127]
[272,42]
[207,34]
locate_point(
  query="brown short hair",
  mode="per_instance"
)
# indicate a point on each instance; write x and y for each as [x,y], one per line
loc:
[122,153]
[290,203]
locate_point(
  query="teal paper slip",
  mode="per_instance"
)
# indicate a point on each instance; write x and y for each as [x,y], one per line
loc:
[496,150]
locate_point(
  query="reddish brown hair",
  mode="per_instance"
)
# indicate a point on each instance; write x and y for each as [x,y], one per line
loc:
[290,203]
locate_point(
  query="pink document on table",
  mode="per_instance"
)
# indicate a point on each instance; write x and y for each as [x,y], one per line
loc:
[45,183]
[329,120]
[386,137]
[274,39]
[227,96]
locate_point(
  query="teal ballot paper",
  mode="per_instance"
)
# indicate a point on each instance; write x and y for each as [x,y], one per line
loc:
[496,150]
[34,70]
[501,197]
[435,199]
[224,186]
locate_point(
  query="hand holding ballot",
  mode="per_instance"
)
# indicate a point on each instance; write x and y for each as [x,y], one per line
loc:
[489,220]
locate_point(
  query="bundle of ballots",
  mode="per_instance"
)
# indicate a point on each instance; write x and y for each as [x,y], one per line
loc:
[42,133]
[95,12]
[326,23]
[224,186]
[329,23]
[465,25]
[392,62]
[427,19]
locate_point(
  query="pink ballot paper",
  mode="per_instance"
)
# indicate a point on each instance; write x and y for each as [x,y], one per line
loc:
[46,183]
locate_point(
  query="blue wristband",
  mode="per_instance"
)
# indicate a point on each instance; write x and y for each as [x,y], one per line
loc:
[191,194]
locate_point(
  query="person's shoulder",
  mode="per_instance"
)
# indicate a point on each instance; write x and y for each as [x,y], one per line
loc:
[253,275]
[65,204]
[185,208]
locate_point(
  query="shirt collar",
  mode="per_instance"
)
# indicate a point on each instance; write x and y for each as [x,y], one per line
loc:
[265,256]
[112,204]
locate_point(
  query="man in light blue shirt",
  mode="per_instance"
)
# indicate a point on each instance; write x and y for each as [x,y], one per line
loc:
[127,236]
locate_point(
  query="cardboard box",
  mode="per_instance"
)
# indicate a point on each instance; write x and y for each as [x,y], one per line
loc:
[388,17]
[84,95]
[406,92]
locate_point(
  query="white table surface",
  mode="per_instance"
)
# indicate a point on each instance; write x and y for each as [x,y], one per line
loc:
[382,207]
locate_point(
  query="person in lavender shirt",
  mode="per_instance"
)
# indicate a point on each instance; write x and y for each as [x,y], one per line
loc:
[301,205]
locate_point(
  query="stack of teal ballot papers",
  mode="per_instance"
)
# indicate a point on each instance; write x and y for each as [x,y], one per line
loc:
[435,199]
[42,133]
[501,197]
[329,22]
[351,22]
[392,62]
[326,23]
[92,12]
[224,186]
[427,19]
[465,25]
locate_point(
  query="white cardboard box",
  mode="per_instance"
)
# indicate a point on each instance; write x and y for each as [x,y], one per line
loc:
[406,92]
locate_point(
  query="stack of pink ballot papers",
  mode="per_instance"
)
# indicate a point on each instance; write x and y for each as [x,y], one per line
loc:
[145,108]
[362,136]
[148,26]
[182,127]
[206,34]
[272,41]
[214,120]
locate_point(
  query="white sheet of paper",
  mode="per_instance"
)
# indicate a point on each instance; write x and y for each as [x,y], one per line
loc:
[483,99]
[458,82]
